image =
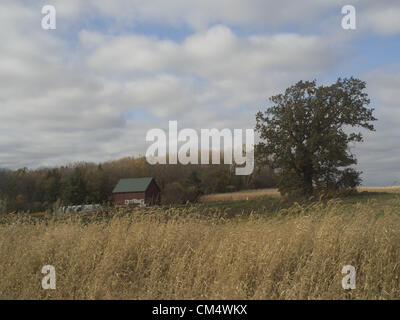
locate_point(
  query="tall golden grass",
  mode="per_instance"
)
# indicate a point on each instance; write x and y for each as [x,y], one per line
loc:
[297,254]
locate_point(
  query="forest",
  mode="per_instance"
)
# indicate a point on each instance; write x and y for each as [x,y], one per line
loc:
[39,190]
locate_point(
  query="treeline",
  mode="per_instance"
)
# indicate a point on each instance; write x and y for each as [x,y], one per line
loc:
[88,183]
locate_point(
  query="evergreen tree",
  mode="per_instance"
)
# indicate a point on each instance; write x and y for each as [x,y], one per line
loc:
[75,190]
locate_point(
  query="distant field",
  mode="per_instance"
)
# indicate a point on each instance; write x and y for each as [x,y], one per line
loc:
[196,252]
[265,193]
[240,195]
[394,189]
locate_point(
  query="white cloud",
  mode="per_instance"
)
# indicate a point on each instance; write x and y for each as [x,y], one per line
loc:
[208,53]
[199,15]
[211,67]
[382,18]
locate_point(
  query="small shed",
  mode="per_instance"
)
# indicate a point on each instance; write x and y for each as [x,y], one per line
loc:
[143,191]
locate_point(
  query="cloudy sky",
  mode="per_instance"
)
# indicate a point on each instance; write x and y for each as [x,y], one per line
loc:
[113,69]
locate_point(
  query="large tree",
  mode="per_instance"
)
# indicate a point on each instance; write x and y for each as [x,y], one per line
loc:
[305,135]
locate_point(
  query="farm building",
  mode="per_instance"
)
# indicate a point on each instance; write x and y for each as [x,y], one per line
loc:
[143,191]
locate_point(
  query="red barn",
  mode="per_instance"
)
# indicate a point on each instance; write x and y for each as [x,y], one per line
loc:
[143,191]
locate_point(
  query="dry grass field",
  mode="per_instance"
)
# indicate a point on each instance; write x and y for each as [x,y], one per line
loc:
[262,193]
[180,253]
[394,189]
[240,195]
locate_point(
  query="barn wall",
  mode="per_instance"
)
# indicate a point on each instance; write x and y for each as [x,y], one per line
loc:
[119,198]
[153,195]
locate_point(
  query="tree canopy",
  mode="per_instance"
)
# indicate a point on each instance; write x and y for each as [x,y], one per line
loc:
[305,135]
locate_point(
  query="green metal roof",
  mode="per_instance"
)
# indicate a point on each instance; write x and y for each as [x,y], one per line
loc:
[132,185]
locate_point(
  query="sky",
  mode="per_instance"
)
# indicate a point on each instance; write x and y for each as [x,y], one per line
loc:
[114,69]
